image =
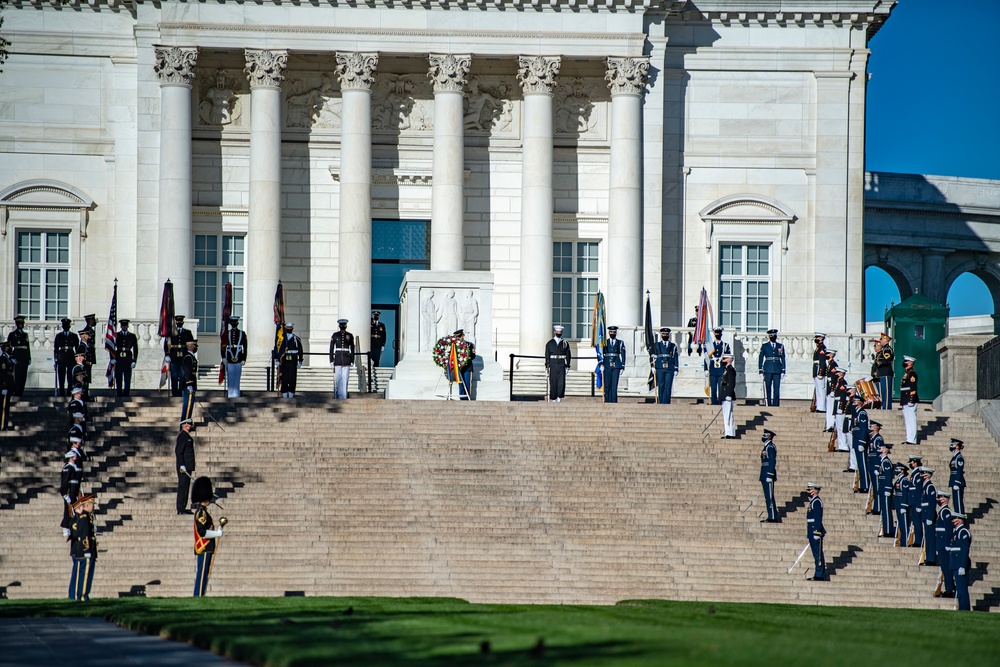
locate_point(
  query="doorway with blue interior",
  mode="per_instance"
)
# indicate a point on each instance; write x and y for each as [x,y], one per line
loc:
[398,246]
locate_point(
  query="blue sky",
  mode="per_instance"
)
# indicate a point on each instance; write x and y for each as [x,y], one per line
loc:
[934,108]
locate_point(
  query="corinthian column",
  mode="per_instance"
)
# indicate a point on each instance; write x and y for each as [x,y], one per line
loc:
[175,258]
[448,73]
[265,71]
[356,72]
[537,75]
[627,80]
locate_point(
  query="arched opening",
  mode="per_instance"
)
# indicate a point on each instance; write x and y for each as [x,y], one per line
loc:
[881,292]
[971,305]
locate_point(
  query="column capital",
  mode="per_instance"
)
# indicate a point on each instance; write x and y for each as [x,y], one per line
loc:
[448,72]
[265,68]
[537,74]
[628,75]
[356,71]
[175,65]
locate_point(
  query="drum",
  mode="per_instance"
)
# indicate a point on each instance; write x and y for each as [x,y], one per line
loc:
[868,390]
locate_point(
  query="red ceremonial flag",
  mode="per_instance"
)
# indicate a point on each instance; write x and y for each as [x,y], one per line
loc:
[167,325]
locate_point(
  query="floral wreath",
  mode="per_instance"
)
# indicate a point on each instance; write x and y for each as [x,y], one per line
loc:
[442,352]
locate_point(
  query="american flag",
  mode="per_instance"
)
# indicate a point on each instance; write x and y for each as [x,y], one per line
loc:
[109,336]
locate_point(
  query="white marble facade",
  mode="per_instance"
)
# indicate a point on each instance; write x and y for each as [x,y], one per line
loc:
[660,130]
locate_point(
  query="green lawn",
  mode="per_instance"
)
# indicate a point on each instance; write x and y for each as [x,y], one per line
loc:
[421,632]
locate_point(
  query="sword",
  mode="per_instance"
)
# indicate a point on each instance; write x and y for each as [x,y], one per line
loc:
[205,410]
[801,554]
[712,422]
[751,503]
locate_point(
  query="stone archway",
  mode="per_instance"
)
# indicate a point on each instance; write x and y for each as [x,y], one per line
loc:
[989,273]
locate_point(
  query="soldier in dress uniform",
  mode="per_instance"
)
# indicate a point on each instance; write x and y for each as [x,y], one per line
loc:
[956,475]
[884,372]
[77,428]
[819,372]
[184,458]
[189,379]
[829,388]
[901,504]
[693,323]
[83,548]
[884,490]
[771,364]
[341,358]
[727,392]
[234,355]
[875,442]
[90,323]
[958,559]
[174,349]
[126,357]
[90,354]
[290,360]
[465,392]
[815,531]
[943,531]
[916,494]
[860,432]
[69,487]
[908,399]
[20,346]
[844,417]
[7,384]
[64,353]
[714,366]
[205,534]
[81,377]
[769,474]
[665,364]
[378,337]
[558,357]
[76,404]
[613,352]
[928,511]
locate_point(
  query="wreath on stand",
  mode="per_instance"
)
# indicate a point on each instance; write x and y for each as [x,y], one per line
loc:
[452,354]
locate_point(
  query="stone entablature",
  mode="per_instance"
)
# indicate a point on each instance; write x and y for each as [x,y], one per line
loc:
[596,6]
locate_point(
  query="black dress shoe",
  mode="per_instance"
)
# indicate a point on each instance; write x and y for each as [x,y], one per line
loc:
[818,579]
[848,470]
[185,512]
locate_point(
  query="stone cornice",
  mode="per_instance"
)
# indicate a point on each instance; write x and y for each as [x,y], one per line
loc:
[856,13]
[593,6]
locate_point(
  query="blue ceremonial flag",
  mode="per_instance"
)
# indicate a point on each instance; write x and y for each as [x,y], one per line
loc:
[598,334]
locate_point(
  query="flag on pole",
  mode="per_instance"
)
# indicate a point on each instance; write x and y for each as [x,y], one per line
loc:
[168,327]
[702,326]
[649,339]
[227,312]
[598,334]
[109,336]
[279,327]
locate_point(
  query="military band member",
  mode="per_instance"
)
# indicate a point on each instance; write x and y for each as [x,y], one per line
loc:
[958,559]
[378,337]
[290,360]
[234,355]
[875,442]
[7,384]
[206,534]
[714,366]
[665,364]
[341,358]
[83,549]
[860,432]
[69,487]
[917,483]
[769,475]
[184,458]
[81,377]
[20,346]
[771,364]
[174,349]
[126,357]
[901,504]
[613,353]
[819,372]
[64,353]
[943,531]
[908,399]
[884,372]
[558,358]
[956,475]
[727,393]
[815,531]
[189,379]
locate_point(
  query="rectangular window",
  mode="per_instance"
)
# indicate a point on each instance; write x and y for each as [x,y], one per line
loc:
[744,287]
[575,265]
[213,269]
[43,275]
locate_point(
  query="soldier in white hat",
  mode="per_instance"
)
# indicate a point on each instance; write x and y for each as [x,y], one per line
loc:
[819,371]
[727,394]
[289,360]
[908,399]
[557,360]
[234,355]
[815,531]
[341,357]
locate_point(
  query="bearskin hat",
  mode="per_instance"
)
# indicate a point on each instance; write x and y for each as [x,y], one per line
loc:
[202,490]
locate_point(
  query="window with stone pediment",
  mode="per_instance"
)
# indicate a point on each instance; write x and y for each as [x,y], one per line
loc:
[744,286]
[43,274]
[575,282]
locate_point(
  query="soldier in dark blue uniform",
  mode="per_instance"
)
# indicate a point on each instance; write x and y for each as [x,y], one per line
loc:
[465,392]
[20,346]
[819,374]
[7,382]
[928,512]
[290,360]
[205,534]
[189,379]
[884,371]
[816,532]
[126,357]
[558,357]
[958,558]
[727,392]
[76,404]
[884,489]
[769,474]
[956,475]
[714,366]
[80,376]
[64,356]
[771,364]
[83,549]
[613,352]
[860,432]
[916,494]
[69,487]
[665,363]
[942,537]
[174,349]
[341,358]
[377,338]
[184,460]
[875,443]
[900,503]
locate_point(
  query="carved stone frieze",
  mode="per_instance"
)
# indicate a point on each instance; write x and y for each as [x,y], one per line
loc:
[265,68]
[537,74]
[220,102]
[356,71]
[175,65]
[313,101]
[489,104]
[402,102]
[627,76]
[574,108]
[448,72]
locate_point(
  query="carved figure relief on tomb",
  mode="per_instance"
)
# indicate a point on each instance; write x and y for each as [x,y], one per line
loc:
[402,102]
[489,104]
[574,109]
[220,99]
[313,101]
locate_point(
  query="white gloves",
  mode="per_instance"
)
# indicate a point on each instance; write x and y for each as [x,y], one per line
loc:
[86,555]
[4,392]
[183,469]
[166,360]
[782,376]
[298,365]
[211,534]
[332,365]
[133,364]
[961,571]
[706,373]
[67,499]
